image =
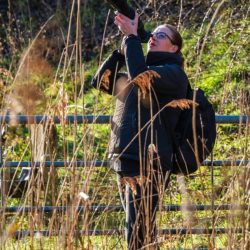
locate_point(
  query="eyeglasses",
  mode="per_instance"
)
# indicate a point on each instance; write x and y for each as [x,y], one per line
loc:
[161,36]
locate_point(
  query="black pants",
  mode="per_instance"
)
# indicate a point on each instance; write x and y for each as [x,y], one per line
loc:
[140,193]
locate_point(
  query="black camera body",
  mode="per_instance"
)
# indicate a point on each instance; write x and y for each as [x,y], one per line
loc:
[123,7]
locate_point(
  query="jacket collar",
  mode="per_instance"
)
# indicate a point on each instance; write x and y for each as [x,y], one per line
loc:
[158,58]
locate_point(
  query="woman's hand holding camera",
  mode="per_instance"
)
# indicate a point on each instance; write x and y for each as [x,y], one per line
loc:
[126,25]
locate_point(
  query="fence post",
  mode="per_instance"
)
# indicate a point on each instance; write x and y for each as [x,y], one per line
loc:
[43,143]
[37,133]
[32,174]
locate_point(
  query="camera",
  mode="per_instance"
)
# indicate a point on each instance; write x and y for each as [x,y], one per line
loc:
[123,7]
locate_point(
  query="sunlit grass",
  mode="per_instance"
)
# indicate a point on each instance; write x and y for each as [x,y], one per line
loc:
[66,90]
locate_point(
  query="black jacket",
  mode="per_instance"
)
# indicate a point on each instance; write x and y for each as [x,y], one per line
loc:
[133,128]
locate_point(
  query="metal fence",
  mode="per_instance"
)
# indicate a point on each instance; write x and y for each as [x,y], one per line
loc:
[105,119]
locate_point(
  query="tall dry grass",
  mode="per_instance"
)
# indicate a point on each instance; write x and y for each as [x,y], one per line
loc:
[90,186]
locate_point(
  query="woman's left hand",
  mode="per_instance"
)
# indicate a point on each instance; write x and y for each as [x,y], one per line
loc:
[126,25]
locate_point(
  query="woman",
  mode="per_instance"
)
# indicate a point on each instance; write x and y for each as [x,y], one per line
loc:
[142,127]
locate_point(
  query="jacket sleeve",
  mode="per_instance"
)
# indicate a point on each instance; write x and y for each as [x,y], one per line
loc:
[134,57]
[108,72]
[172,78]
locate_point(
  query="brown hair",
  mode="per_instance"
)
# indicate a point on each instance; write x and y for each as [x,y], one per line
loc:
[176,39]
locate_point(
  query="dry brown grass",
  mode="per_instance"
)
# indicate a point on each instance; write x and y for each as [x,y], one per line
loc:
[133,181]
[105,79]
[182,104]
[34,65]
[143,81]
[27,98]
[27,95]
[96,186]
[5,73]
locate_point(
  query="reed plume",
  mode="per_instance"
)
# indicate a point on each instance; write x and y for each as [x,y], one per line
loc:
[182,104]
[143,81]
[105,79]
[27,98]
[131,182]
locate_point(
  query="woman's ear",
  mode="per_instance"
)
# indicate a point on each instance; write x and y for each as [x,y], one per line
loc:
[174,48]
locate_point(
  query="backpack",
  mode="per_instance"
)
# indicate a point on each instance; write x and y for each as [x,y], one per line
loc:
[184,158]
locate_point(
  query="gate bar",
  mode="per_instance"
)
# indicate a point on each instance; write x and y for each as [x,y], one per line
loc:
[99,163]
[117,208]
[98,119]
[169,231]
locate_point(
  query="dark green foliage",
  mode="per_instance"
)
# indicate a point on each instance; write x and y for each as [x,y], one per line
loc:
[216,59]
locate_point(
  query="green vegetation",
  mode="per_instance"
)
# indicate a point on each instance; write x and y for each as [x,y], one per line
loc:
[47,69]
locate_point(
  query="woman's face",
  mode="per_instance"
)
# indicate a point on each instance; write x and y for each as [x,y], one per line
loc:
[161,40]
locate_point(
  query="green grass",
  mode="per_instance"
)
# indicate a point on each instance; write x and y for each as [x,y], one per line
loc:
[221,73]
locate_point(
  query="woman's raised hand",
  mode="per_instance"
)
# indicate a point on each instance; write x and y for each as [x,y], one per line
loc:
[126,25]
